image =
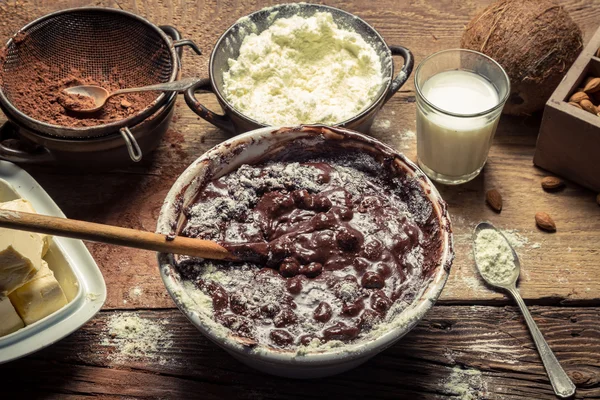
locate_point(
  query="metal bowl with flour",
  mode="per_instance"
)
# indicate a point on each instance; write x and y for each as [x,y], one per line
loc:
[228,47]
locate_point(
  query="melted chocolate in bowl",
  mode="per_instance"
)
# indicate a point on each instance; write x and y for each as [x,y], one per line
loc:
[347,239]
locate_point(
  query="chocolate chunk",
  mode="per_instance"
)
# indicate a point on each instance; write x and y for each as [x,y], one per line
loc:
[321,203]
[373,250]
[237,303]
[343,213]
[340,331]
[238,324]
[289,267]
[281,338]
[302,199]
[270,310]
[348,240]
[307,339]
[353,309]
[380,301]
[323,221]
[219,295]
[311,270]
[294,285]
[284,318]
[368,319]
[322,312]
[372,280]
[360,264]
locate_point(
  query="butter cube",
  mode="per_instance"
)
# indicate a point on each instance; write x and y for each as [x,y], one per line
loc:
[9,319]
[20,258]
[39,297]
[25,206]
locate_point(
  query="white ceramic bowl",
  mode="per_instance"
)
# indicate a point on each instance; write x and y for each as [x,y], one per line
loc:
[73,267]
[245,149]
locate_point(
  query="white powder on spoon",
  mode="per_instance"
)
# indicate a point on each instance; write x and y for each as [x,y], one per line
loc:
[494,257]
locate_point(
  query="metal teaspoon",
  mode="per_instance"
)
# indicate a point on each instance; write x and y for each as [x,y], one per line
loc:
[561,383]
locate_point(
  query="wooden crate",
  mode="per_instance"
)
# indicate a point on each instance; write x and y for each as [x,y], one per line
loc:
[569,140]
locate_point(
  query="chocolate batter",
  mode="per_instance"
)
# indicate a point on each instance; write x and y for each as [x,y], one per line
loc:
[344,239]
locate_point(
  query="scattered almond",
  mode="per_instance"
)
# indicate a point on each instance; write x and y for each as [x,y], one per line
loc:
[577,97]
[494,199]
[545,222]
[592,85]
[575,104]
[598,53]
[125,103]
[588,106]
[552,183]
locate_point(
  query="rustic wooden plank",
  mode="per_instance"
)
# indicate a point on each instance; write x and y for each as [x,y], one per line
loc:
[556,267]
[454,351]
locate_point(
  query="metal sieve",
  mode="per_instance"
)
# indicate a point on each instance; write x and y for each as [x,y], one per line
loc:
[99,43]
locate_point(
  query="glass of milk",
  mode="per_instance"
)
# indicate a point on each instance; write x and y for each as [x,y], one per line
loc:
[460,95]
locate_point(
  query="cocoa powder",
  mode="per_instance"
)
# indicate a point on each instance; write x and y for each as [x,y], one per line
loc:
[39,94]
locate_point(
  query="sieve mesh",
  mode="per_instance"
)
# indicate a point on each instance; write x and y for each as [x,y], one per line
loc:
[101,44]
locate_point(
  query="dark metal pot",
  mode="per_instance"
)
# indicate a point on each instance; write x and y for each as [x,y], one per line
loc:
[22,144]
[229,43]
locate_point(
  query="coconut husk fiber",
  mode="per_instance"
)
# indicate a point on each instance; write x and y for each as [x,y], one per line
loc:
[535,41]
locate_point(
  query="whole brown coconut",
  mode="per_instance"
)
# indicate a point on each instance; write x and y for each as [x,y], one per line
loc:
[535,41]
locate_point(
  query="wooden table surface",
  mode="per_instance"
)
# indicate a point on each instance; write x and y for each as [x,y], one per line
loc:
[473,343]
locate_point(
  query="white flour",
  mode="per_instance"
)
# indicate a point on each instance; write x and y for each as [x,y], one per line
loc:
[494,256]
[135,337]
[303,70]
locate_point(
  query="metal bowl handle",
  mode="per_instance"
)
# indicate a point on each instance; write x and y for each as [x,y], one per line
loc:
[135,153]
[219,120]
[404,72]
[21,156]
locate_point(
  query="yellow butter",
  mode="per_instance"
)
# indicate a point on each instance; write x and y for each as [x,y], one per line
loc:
[9,319]
[39,297]
[25,206]
[20,258]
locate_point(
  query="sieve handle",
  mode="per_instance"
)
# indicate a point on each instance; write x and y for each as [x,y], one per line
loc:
[404,73]
[219,120]
[175,86]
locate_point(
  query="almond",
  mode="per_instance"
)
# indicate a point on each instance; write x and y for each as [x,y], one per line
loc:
[592,85]
[598,199]
[578,96]
[588,106]
[575,104]
[494,199]
[552,183]
[598,53]
[545,222]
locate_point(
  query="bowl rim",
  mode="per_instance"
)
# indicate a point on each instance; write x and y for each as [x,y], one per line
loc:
[333,355]
[220,43]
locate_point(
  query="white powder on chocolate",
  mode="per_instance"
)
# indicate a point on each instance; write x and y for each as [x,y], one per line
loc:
[303,70]
[494,256]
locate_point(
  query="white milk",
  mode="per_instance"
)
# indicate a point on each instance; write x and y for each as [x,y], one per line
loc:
[456,146]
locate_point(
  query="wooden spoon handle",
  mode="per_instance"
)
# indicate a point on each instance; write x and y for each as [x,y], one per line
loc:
[113,235]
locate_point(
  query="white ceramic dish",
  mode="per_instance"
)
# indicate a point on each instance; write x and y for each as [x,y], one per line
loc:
[74,268]
[246,148]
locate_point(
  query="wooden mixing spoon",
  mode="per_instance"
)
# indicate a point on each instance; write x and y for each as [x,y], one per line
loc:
[115,235]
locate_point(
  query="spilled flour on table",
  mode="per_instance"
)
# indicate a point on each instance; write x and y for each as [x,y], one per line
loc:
[382,124]
[465,384]
[136,338]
